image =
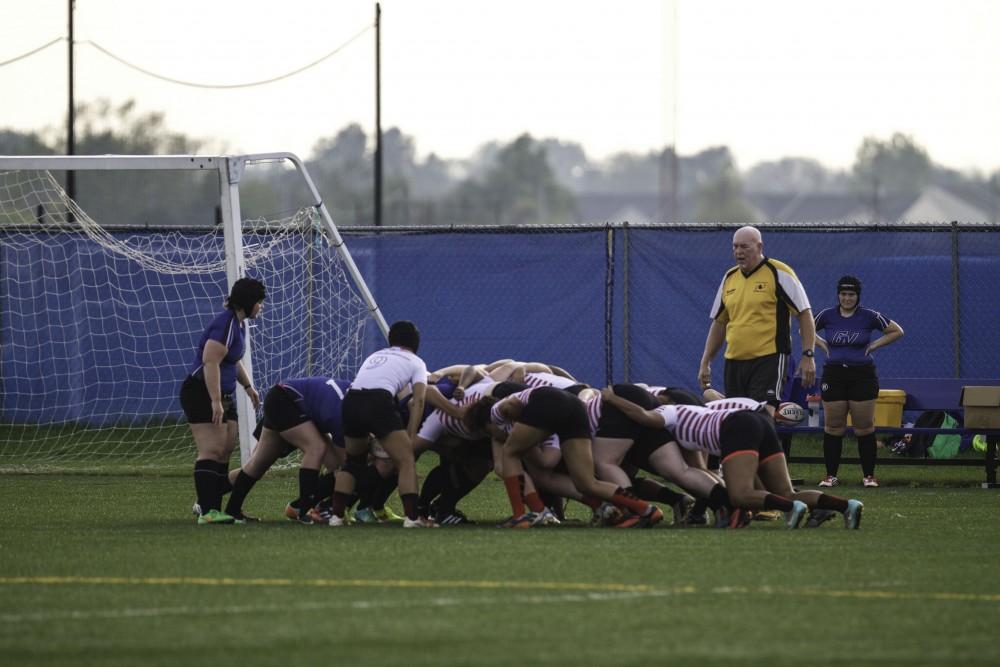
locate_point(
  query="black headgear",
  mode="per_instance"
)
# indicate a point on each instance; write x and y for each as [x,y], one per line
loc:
[404,334]
[850,284]
[246,293]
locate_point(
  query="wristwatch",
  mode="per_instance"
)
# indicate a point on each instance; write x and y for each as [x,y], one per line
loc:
[808,353]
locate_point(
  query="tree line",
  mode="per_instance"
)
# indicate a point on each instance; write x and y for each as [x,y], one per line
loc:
[523,181]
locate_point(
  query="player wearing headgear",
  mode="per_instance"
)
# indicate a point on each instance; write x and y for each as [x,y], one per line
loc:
[370,407]
[206,396]
[850,383]
[747,444]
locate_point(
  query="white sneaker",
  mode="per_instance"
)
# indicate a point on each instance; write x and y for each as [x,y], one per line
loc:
[420,522]
[829,480]
[196,509]
[546,518]
[336,521]
[870,481]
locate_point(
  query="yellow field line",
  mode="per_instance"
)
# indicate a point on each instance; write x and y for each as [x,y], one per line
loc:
[500,585]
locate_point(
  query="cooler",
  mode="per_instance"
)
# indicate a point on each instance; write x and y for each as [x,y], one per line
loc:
[888,408]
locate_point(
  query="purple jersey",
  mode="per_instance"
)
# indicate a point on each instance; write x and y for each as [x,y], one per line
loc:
[225,329]
[848,337]
[319,398]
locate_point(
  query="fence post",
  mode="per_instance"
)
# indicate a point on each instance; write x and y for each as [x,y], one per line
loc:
[956,323]
[609,302]
[626,304]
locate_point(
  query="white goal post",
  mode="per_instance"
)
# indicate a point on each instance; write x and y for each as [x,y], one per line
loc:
[35,214]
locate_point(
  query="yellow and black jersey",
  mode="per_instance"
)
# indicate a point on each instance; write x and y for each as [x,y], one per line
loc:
[759,306]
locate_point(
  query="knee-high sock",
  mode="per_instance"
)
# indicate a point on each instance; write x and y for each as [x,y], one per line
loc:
[833,446]
[867,451]
[241,488]
[206,485]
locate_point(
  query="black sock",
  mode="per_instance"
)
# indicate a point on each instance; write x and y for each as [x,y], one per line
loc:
[308,481]
[241,488]
[773,502]
[833,446]
[713,462]
[409,505]
[324,488]
[366,485]
[436,482]
[828,502]
[384,489]
[867,450]
[699,507]
[225,486]
[718,498]
[206,485]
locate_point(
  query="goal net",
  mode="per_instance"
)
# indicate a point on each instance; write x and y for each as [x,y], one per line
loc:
[99,323]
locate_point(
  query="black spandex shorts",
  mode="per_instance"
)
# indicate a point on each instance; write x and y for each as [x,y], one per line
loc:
[281,412]
[370,411]
[749,430]
[647,442]
[506,388]
[555,411]
[849,383]
[760,379]
[197,404]
[614,423]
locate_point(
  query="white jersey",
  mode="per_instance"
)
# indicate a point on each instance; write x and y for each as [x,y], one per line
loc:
[391,369]
[594,408]
[695,427]
[548,380]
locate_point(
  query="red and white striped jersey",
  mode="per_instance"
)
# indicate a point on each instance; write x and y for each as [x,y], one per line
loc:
[548,380]
[735,403]
[594,408]
[496,416]
[438,423]
[695,427]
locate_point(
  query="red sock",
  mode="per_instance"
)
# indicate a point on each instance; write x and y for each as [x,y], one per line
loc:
[628,501]
[534,502]
[828,502]
[513,485]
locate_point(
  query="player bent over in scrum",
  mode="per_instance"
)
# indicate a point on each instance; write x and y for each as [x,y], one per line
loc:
[370,408]
[748,445]
[532,415]
[301,413]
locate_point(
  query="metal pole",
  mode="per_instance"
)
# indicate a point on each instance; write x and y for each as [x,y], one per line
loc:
[70,117]
[956,311]
[626,303]
[378,115]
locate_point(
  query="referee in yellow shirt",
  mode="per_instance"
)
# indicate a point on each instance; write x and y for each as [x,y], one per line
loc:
[752,315]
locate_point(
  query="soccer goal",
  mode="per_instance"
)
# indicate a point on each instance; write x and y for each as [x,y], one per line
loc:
[100,314]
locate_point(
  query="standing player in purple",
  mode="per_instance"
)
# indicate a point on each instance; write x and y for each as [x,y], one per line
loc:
[370,407]
[303,413]
[849,382]
[207,396]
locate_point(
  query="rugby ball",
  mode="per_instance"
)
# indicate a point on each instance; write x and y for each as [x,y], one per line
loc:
[789,413]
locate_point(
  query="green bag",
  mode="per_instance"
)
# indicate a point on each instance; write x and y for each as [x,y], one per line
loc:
[946,446]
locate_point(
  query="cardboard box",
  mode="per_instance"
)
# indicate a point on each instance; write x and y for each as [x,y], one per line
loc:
[982,407]
[888,408]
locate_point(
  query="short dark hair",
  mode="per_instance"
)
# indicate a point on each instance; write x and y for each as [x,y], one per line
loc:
[404,334]
[681,396]
[478,415]
[245,294]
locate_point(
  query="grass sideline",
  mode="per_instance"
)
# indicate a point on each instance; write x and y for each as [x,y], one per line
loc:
[112,570]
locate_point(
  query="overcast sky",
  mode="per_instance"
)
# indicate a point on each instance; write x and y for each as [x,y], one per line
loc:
[767,78]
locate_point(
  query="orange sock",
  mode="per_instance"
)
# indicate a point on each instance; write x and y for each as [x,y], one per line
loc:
[513,485]
[534,502]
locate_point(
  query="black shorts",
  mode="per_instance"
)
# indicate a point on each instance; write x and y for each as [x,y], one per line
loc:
[575,389]
[614,423]
[849,383]
[506,388]
[197,404]
[647,442]
[555,411]
[281,412]
[749,430]
[372,411]
[760,379]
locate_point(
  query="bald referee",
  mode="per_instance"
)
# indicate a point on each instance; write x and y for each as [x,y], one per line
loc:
[752,315]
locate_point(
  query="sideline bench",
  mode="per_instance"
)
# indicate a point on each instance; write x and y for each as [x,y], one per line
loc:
[925,394]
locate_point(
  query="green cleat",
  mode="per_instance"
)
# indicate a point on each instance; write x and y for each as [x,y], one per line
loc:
[215,516]
[386,514]
[365,515]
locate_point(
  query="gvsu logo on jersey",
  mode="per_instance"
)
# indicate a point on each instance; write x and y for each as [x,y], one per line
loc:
[376,361]
[845,337]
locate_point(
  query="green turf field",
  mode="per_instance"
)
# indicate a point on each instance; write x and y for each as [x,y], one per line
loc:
[112,570]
